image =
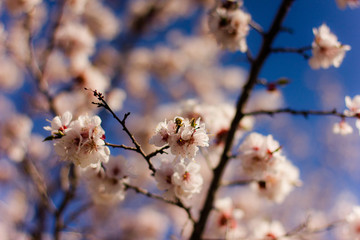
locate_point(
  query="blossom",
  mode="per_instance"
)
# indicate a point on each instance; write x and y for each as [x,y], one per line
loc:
[19,6]
[352,227]
[267,230]
[225,221]
[83,143]
[75,38]
[278,182]
[326,49]
[187,179]
[103,188]
[342,128]
[59,124]
[353,105]
[163,177]
[183,136]
[230,26]
[259,153]
[178,178]
[351,3]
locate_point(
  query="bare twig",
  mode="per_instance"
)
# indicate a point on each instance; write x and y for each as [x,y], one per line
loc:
[302,51]
[68,197]
[122,122]
[121,146]
[304,113]
[178,202]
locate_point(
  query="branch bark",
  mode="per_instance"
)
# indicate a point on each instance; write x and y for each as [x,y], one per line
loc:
[256,66]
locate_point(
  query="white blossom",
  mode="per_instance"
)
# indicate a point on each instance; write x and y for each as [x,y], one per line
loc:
[163,177]
[342,128]
[83,143]
[104,189]
[187,179]
[279,182]
[326,49]
[59,124]
[352,226]
[178,178]
[267,230]
[183,136]
[351,3]
[259,153]
[230,26]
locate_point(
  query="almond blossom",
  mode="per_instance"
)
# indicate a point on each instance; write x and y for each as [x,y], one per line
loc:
[351,229]
[230,26]
[262,160]
[103,188]
[183,136]
[326,49]
[59,123]
[342,128]
[351,3]
[178,178]
[82,142]
[267,230]
[259,153]
[225,222]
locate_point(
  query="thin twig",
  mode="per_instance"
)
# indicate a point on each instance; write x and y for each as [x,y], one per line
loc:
[237,183]
[178,202]
[121,146]
[68,197]
[302,51]
[122,122]
[304,113]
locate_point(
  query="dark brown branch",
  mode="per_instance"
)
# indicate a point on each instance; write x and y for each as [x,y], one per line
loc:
[68,197]
[302,51]
[237,183]
[121,146]
[251,82]
[178,202]
[304,113]
[122,122]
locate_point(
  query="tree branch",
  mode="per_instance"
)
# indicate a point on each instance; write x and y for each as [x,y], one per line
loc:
[304,113]
[251,82]
[300,51]
[68,196]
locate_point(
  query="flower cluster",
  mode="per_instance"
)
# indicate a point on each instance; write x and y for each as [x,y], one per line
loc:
[179,178]
[80,141]
[106,183]
[262,161]
[225,221]
[184,136]
[230,25]
[353,110]
[326,49]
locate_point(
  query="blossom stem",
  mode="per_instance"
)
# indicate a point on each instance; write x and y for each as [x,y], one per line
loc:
[122,122]
[178,202]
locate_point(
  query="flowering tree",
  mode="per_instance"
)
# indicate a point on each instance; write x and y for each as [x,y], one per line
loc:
[162,122]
